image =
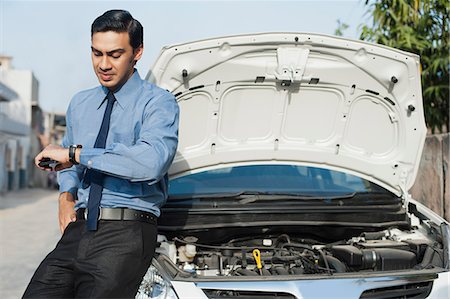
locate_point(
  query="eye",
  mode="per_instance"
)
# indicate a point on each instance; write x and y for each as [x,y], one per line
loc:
[96,53]
[116,55]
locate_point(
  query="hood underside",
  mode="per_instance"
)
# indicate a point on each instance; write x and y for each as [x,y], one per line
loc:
[296,98]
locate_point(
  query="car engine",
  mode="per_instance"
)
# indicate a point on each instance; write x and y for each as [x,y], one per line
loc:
[287,254]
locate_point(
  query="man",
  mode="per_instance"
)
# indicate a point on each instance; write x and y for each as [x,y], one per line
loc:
[120,141]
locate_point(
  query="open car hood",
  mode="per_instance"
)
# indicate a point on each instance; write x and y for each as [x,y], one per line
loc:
[296,98]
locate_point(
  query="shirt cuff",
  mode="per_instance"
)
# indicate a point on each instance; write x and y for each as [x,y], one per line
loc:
[70,186]
[88,157]
[73,191]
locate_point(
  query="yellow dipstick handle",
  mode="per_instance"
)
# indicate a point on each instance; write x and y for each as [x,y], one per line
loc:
[257,256]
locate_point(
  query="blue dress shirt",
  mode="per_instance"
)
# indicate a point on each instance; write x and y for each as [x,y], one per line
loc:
[140,147]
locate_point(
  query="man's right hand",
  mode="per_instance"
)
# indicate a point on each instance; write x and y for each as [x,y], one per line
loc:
[66,210]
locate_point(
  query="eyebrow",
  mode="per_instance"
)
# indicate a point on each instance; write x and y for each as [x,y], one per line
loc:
[120,50]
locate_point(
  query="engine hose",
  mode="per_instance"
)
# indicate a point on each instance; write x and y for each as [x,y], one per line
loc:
[427,257]
[278,258]
[325,261]
[336,264]
[307,247]
[284,236]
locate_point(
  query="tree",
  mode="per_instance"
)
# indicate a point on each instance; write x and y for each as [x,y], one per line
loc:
[341,28]
[421,27]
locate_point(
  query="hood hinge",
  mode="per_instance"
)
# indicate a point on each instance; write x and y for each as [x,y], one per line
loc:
[405,195]
[291,64]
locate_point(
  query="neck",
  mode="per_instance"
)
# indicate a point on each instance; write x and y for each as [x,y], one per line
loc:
[119,86]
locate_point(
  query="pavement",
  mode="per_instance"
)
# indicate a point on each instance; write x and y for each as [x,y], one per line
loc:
[29,230]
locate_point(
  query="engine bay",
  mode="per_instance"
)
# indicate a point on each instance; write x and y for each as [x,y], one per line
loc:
[290,254]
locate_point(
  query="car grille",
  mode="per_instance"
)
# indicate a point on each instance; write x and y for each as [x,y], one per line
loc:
[408,291]
[233,294]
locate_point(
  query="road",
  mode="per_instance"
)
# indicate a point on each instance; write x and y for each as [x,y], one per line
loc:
[29,231]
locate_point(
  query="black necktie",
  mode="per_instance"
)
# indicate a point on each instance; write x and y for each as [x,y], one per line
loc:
[96,177]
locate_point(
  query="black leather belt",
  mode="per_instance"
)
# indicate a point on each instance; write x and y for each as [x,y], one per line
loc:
[119,214]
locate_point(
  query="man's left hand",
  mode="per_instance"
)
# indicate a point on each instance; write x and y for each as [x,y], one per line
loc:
[57,153]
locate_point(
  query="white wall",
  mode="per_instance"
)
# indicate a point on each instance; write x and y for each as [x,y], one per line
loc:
[15,126]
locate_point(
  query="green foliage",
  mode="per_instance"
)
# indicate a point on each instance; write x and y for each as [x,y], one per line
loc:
[341,28]
[421,27]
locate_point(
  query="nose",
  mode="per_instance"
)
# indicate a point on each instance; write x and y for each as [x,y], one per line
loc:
[104,64]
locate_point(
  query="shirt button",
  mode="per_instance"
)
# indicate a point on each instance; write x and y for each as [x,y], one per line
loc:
[89,163]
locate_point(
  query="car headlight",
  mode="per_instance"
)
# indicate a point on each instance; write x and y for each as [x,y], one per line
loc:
[154,286]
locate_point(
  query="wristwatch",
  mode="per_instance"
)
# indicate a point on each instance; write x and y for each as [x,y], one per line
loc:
[72,149]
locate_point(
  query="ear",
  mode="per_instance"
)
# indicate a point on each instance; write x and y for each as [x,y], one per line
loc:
[138,52]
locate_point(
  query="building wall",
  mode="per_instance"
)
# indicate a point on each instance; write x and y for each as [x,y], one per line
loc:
[20,82]
[3,168]
[15,126]
[38,140]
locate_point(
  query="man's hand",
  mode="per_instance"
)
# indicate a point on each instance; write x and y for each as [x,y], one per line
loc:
[56,153]
[66,210]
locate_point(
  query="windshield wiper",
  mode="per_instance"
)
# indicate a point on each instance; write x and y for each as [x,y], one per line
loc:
[252,196]
[249,197]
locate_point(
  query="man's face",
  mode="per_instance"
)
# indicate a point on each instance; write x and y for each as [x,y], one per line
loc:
[113,58]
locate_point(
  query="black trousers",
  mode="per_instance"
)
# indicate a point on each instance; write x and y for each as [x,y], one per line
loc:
[107,263]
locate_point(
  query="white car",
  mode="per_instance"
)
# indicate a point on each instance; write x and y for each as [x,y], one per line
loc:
[295,157]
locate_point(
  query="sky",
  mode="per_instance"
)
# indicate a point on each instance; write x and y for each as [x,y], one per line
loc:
[52,38]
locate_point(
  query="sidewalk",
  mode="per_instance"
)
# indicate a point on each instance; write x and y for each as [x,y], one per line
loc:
[29,231]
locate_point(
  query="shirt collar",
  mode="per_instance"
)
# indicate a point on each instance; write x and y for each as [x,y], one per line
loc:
[125,94]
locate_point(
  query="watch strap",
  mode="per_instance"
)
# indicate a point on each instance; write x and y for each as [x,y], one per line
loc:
[72,151]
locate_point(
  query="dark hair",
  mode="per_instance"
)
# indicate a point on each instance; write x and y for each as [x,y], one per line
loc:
[119,21]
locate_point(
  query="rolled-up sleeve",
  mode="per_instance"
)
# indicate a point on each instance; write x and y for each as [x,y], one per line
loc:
[69,178]
[151,156]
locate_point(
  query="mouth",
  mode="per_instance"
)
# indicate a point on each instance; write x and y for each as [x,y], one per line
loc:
[105,76]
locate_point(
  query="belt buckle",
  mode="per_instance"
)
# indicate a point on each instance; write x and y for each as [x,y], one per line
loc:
[86,214]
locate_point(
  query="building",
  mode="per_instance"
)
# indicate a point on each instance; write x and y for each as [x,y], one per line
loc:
[19,106]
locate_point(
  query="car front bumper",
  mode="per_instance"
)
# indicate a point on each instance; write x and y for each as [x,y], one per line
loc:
[348,288]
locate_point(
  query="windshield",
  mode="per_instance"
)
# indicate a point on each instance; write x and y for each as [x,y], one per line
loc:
[276,179]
